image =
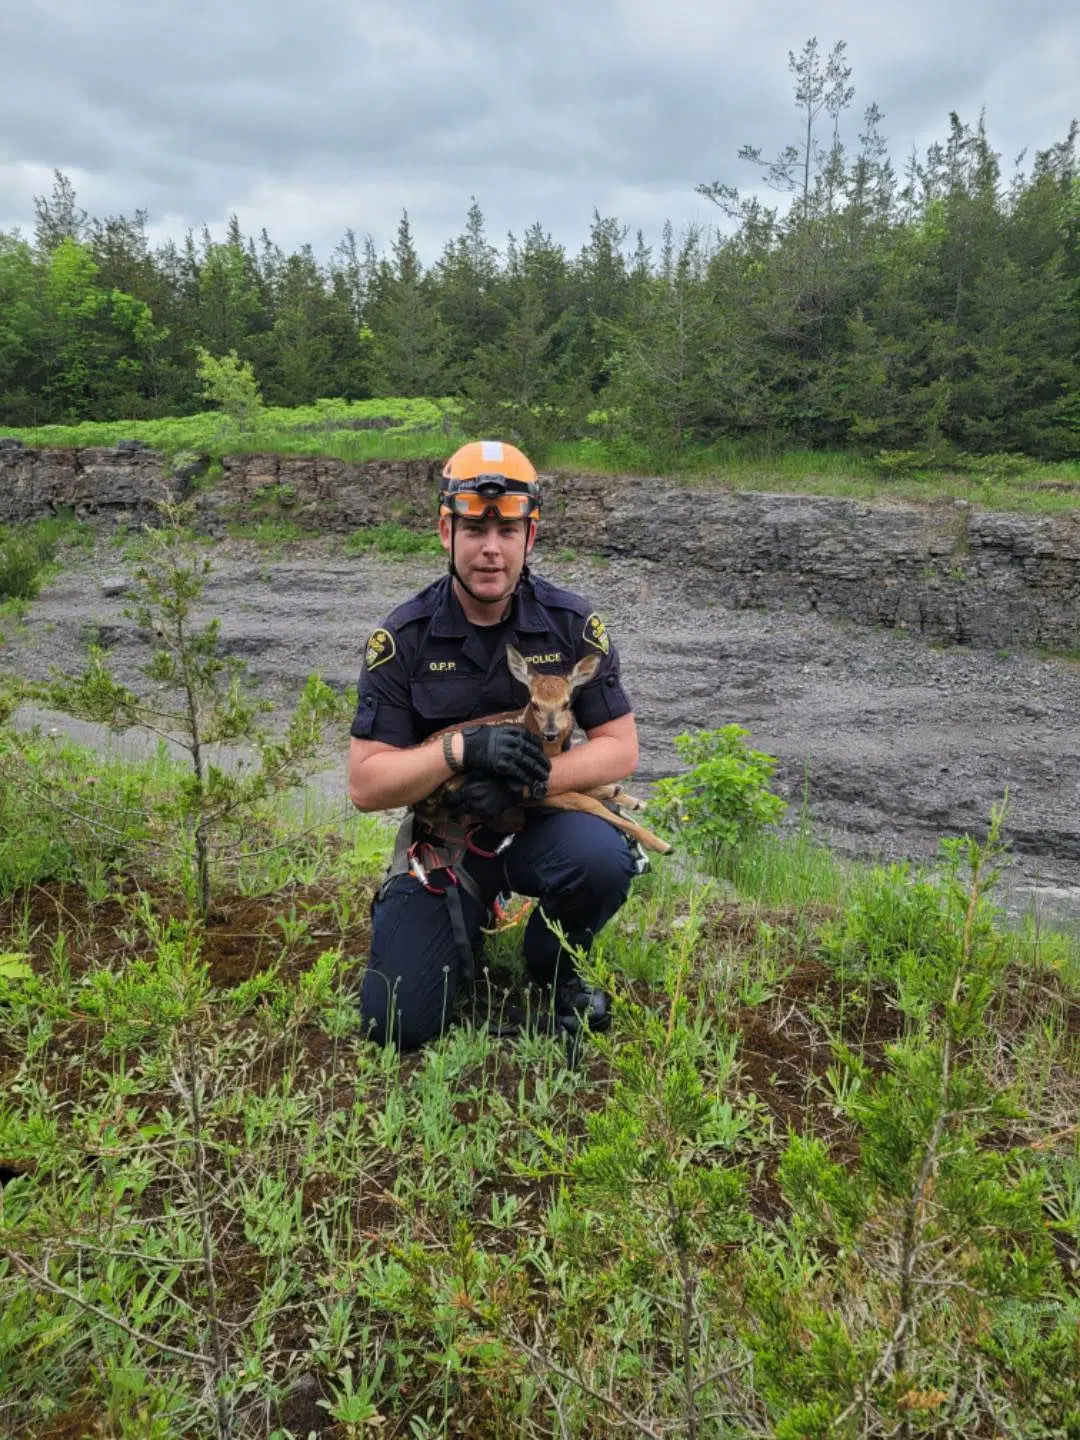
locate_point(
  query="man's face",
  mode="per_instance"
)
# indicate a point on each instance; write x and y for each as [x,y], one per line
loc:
[489,554]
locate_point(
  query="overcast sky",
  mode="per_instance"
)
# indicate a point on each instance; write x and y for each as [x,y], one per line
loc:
[307,119]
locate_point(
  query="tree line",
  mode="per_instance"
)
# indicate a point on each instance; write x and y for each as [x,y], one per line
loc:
[932,307]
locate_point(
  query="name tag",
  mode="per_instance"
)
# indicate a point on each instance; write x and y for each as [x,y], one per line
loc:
[441,665]
[552,659]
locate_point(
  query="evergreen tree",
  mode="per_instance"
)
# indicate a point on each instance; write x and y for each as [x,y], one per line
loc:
[21,342]
[228,301]
[409,339]
[59,218]
[466,285]
[353,272]
[313,348]
[91,339]
[601,295]
[523,386]
[663,389]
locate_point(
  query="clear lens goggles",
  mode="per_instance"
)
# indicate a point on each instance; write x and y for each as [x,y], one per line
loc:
[511,505]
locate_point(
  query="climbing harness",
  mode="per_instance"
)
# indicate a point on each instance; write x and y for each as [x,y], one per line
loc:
[438,863]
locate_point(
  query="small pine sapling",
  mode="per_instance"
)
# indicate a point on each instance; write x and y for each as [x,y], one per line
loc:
[197,700]
[933,1217]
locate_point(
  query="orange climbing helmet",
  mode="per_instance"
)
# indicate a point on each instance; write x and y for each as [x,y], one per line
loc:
[489,477]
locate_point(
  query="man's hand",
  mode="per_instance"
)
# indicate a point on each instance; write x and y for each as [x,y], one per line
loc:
[506,752]
[486,797]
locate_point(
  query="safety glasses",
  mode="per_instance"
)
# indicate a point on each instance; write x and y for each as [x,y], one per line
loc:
[511,505]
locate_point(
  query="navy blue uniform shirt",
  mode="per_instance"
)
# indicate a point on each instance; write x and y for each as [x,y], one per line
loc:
[426,667]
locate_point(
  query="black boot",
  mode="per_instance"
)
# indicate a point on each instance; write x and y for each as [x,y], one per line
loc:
[578,1005]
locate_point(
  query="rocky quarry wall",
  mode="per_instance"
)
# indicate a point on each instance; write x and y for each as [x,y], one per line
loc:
[949,571]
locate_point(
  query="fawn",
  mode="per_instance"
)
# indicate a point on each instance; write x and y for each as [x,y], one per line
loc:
[547,713]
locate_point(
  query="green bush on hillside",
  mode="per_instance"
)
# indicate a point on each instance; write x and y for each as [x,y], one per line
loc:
[229,383]
[724,798]
[24,556]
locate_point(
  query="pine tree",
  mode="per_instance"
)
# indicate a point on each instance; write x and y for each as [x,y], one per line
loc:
[410,342]
[59,218]
[465,284]
[662,390]
[523,386]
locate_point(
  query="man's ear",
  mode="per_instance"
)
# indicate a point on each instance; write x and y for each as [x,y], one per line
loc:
[445,523]
[584,670]
[519,669]
[530,540]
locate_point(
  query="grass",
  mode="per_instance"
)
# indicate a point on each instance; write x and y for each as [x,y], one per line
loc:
[30,556]
[418,429]
[844,474]
[403,429]
[265,532]
[223,1211]
[393,540]
[12,614]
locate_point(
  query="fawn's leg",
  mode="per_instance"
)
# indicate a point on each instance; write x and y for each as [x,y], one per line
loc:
[614,791]
[575,800]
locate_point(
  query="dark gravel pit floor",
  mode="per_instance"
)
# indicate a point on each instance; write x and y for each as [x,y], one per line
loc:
[895,740]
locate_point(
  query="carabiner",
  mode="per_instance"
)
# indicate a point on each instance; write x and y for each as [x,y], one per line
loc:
[417,871]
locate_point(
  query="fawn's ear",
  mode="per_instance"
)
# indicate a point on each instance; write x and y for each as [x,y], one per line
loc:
[518,667]
[584,670]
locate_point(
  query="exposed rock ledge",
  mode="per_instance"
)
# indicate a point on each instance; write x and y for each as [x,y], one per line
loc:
[949,571]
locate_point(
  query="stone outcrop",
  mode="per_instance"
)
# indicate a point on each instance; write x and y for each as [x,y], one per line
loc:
[122,481]
[948,571]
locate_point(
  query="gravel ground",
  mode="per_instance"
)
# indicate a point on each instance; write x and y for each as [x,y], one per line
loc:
[898,741]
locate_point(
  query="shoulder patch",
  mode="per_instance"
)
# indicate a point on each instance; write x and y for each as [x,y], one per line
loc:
[595,634]
[380,647]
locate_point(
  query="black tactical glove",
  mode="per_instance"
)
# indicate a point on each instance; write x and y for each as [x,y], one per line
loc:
[487,797]
[506,752]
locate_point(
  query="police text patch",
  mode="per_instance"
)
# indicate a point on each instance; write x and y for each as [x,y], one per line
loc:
[596,633]
[380,647]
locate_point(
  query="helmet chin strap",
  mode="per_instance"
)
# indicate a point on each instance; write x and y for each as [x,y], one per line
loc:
[456,573]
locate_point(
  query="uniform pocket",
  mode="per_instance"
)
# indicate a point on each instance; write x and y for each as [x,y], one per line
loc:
[444,701]
[364,719]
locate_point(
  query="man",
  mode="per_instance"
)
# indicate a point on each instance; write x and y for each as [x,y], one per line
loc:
[440,659]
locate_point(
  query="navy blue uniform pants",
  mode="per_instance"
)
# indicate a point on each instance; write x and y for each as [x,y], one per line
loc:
[577,866]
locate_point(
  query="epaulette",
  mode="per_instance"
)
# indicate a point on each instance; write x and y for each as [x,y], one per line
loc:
[420,607]
[554,596]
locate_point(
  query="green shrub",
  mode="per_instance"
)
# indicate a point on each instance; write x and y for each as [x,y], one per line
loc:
[266,531]
[889,463]
[390,539]
[894,916]
[11,696]
[24,556]
[67,814]
[229,383]
[1001,465]
[724,798]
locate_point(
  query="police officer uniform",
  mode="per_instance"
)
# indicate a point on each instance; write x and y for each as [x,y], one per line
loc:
[428,667]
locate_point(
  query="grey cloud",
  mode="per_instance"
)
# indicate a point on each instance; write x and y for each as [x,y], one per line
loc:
[307,119]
